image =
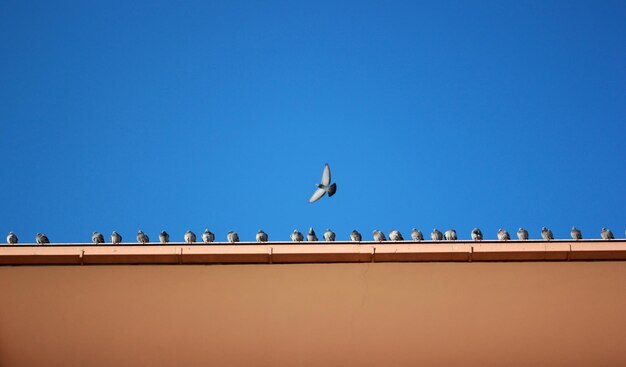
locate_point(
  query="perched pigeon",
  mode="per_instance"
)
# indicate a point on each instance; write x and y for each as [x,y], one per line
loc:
[115,238]
[416,235]
[296,236]
[378,236]
[395,235]
[546,234]
[576,234]
[41,239]
[329,236]
[450,235]
[606,234]
[477,235]
[311,236]
[355,236]
[11,238]
[97,238]
[436,235]
[142,238]
[208,236]
[522,234]
[164,237]
[324,187]
[190,237]
[261,236]
[503,235]
[232,237]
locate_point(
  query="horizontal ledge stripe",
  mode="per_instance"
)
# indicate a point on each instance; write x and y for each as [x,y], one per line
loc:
[308,252]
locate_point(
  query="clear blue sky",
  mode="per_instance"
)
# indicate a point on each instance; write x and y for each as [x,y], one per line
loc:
[221,114]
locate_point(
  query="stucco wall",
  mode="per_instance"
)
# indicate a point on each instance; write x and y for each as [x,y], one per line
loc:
[370,314]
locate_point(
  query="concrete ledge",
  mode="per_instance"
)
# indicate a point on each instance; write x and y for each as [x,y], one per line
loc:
[520,252]
[322,253]
[226,254]
[395,251]
[307,252]
[40,255]
[131,255]
[606,250]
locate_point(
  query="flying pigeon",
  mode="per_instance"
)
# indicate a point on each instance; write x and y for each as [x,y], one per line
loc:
[355,236]
[329,236]
[606,234]
[503,235]
[395,235]
[311,236]
[378,236]
[261,236]
[436,235]
[296,236]
[208,236]
[232,237]
[522,234]
[450,235]
[324,187]
[576,234]
[546,234]
[142,238]
[97,238]
[477,235]
[11,238]
[41,239]
[164,237]
[190,237]
[115,238]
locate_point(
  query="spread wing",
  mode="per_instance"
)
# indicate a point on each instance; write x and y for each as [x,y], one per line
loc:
[326,175]
[317,195]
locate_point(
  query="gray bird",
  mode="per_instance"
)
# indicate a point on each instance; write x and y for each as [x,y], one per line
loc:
[416,235]
[395,235]
[261,236]
[576,234]
[208,236]
[329,236]
[115,238]
[41,239]
[546,234]
[296,236]
[232,237]
[324,187]
[142,237]
[477,235]
[378,236]
[436,235]
[97,238]
[355,236]
[503,235]
[522,234]
[450,235]
[164,237]
[11,238]
[190,237]
[311,236]
[606,234]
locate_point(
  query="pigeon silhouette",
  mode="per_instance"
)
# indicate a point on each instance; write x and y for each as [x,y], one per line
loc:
[11,238]
[208,236]
[261,236]
[97,238]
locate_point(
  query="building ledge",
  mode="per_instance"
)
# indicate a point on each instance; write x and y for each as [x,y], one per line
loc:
[321,252]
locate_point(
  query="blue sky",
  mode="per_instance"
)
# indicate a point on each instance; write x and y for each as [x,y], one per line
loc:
[221,115]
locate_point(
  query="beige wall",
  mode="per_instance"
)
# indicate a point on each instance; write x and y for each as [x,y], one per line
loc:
[372,314]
